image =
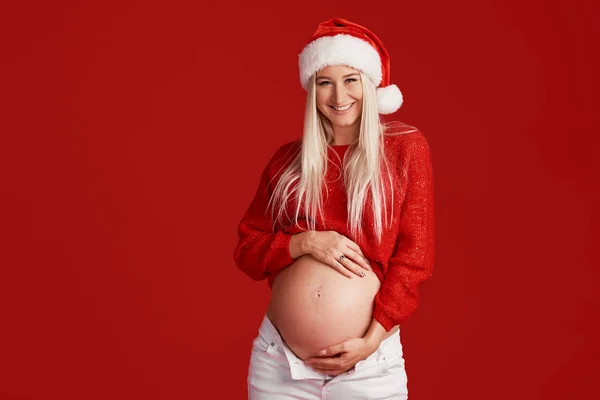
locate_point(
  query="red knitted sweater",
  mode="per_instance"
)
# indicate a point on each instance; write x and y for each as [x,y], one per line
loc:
[402,260]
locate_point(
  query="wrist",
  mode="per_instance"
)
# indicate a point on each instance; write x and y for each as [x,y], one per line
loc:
[375,334]
[306,242]
[300,244]
[373,342]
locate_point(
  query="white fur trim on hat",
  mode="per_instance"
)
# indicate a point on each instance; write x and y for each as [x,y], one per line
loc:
[340,49]
[389,99]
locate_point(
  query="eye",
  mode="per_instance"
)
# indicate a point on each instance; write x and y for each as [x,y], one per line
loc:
[322,83]
[351,80]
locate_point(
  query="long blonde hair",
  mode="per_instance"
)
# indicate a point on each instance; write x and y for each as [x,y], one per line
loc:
[362,168]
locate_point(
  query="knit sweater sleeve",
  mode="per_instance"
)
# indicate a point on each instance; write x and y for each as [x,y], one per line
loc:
[262,250]
[411,262]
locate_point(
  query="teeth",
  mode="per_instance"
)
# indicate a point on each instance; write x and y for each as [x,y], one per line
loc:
[343,107]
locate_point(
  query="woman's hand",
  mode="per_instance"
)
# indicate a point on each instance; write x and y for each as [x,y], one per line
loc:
[340,358]
[338,251]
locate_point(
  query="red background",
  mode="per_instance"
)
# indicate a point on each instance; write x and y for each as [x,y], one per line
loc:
[132,139]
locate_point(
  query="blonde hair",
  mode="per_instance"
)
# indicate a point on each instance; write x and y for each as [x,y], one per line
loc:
[303,179]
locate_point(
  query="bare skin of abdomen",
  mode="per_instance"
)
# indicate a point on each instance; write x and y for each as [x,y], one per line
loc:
[314,306]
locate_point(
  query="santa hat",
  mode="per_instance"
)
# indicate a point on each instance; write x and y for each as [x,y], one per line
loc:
[341,42]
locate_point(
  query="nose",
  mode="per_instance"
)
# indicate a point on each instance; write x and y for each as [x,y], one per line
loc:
[339,94]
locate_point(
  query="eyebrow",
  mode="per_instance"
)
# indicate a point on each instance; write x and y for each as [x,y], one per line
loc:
[345,76]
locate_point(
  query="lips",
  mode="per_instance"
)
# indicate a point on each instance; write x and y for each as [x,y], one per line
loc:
[342,109]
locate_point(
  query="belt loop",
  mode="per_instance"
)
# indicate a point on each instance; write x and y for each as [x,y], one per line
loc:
[273,345]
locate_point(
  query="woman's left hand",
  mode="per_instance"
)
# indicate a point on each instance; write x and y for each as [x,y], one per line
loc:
[341,357]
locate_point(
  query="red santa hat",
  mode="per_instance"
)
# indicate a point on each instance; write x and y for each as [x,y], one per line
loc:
[341,42]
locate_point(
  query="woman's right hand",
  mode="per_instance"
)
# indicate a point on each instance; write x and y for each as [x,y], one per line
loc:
[329,247]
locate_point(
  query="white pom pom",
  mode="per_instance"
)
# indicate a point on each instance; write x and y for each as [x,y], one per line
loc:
[389,99]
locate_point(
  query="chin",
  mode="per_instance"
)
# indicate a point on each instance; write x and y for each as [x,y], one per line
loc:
[343,122]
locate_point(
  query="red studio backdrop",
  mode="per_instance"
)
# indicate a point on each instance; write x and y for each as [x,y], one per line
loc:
[132,137]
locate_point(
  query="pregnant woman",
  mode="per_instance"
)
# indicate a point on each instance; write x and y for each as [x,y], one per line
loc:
[342,228]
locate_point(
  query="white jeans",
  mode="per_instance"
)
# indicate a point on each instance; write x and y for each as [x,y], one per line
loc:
[276,373]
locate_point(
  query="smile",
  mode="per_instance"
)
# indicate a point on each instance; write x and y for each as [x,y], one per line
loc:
[342,108]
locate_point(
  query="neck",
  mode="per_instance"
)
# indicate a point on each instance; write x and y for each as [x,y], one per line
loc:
[343,135]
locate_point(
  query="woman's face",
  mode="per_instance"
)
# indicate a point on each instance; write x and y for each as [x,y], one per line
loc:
[339,95]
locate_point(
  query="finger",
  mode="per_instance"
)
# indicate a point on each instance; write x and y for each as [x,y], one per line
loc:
[326,363]
[332,350]
[341,268]
[353,267]
[356,248]
[350,244]
[359,260]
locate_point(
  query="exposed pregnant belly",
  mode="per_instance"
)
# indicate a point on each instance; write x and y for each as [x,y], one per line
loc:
[314,306]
